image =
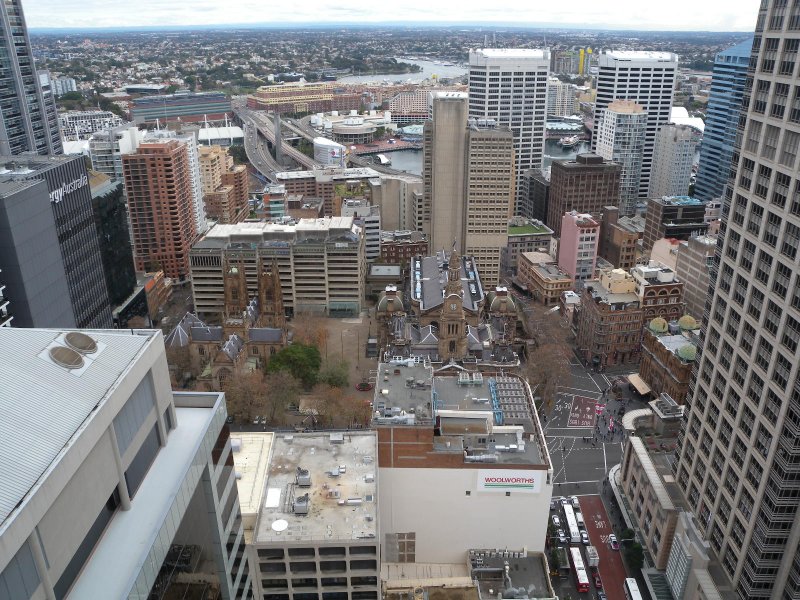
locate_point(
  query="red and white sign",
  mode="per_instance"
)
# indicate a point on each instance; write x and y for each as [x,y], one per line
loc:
[506,480]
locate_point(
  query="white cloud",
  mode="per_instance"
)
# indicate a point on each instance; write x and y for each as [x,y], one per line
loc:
[709,15]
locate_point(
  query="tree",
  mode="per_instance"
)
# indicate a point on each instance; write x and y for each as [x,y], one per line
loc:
[300,360]
[238,154]
[243,395]
[335,374]
[547,366]
[180,364]
[634,556]
[282,390]
[309,329]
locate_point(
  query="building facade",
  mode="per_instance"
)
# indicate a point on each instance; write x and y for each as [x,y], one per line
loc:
[738,456]
[225,185]
[107,147]
[524,235]
[28,121]
[673,159]
[668,358]
[675,217]
[693,265]
[182,106]
[81,124]
[560,98]
[70,198]
[577,248]
[619,238]
[585,184]
[321,264]
[321,183]
[610,316]
[132,483]
[722,120]
[647,78]
[620,139]
[397,247]
[543,278]
[510,86]
[536,194]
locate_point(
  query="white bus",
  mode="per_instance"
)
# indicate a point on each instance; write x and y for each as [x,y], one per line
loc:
[631,589]
[572,524]
[581,578]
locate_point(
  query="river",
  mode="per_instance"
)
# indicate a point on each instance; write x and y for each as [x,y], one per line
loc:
[411,160]
[428,69]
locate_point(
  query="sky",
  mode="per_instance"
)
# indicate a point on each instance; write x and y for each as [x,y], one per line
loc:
[678,15]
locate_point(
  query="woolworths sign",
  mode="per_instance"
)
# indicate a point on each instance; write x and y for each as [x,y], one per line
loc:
[502,480]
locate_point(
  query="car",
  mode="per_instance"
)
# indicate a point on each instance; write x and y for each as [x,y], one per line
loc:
[256,420]
[556,521]
[598,583]
[612,542]
[229,420]
[601,595]
[562,537]
[564,501]
[585,538]
[575,502]
[553,504]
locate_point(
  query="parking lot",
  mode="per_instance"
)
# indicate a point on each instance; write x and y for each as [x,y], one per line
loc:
[610,567]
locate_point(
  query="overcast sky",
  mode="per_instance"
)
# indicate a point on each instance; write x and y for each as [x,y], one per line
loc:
[703,15]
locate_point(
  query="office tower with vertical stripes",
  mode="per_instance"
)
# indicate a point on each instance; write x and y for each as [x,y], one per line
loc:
[28,121]
[738,459]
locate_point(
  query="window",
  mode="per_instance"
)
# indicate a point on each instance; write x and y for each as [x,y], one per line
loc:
[791,333]
[791,239]
[781,189]
[791,141]
[753,136]
[779,100]
[770,142]
[772,230]
[762,181]
[783,275]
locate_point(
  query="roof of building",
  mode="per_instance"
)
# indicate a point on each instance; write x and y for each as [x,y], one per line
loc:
[680,116]
[46,403]
[251,451]
[429,279]
[329,173]
[551,272]
[632,55]
[342,503]
[326,228]
[206,134]
[678,201]
[511,574]
[528,53]
[530,228]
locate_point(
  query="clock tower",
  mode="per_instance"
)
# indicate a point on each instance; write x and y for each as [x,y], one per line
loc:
[452,323]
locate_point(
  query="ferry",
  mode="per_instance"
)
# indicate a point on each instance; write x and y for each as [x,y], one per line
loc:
[383,160]
[570,141]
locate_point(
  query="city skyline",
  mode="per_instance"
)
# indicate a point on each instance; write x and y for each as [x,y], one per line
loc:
[625,15]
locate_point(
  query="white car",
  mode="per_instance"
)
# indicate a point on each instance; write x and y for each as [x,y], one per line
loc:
[585,538]
[562,536]
[575,502]
[556,521]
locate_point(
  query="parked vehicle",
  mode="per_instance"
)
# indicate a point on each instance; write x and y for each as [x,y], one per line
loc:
[612,542]
[598,583]
[556,521]
[592,557]
[585,538]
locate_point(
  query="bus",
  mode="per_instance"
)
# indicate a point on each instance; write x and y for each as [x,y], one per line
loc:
[631,589]
[581,577]
[563,562]
[572,524]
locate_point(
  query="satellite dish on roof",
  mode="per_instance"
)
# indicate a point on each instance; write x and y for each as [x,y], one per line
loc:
[280,525]
[80,342]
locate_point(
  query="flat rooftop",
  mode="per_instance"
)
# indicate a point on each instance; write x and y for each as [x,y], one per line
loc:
[601,294]
[251,460]
[529,229]
[511,53]
[527,571]
[342,504]
[679,201]
[643,55]
[551,272]
[354,173]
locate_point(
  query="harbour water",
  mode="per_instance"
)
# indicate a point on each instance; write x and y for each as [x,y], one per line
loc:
[429,68]
[411,160]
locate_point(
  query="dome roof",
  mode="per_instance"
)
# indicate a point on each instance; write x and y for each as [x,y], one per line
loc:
[390,303]
[501,304]
[687,323]
[687,352]
[658,325]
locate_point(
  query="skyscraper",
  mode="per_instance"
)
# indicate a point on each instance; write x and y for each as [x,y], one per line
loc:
[28,120]
[161,206]
[509,85]
[647,78]
[620,138]
[673,157]
[468,181]
[738,456]
[722,119]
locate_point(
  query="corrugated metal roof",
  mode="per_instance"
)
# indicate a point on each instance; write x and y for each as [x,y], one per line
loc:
[43,405]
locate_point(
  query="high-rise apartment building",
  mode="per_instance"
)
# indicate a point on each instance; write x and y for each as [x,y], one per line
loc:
[722,120]
[69,197]
[692,266]
[28,121]
[161,206]
[739,452]
[647,78]
[107,147]
[468,182]
[225,190]
[673,157]
[585,184]
[560,98]
[131,492]
[509,85]
[620,138]
[577,248]
[675,217]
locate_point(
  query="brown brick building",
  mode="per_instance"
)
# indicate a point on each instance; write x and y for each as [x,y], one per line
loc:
[610,320]
[160,204]
[225,190]
[660,293]
[619,238]
[585,184]
[667,359]
[397,247]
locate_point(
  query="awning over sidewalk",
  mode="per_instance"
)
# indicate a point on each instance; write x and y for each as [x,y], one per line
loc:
[639,384]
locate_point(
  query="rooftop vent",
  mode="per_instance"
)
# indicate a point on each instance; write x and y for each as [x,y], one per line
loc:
[300,505]
[80,342]
[66,357]
[303,477]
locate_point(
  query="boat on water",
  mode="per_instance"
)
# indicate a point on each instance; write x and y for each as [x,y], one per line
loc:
[569,141]
[383,160]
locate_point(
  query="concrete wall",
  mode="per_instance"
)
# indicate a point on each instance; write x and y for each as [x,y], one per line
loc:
[414,500]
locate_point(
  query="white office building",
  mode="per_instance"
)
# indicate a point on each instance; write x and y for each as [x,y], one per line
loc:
[368,217]
[107,147]
[509,85]
[560,98]
[620,137]
[112,485]
[647,78]
[673,158]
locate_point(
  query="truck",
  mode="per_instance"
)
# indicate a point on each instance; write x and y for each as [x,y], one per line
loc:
[592,558]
